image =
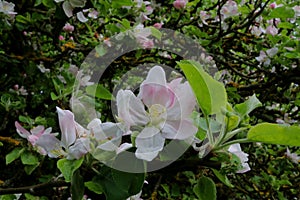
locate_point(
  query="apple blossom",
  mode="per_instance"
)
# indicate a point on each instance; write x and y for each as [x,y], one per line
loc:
[271,30]
[34,135]
[236,150]
[68,28]
[7,8]
[229,9]
[293,156]
[158,25]
[180,4]
[264,57]
[169,106]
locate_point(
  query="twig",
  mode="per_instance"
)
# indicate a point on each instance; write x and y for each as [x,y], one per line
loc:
[33,188]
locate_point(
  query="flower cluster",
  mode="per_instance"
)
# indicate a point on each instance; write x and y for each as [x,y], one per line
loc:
[160,112]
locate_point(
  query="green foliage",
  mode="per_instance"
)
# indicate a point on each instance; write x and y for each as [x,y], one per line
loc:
[275,134]
[210,94]
[68,167]
[117,184]
[13,155]
[205,189]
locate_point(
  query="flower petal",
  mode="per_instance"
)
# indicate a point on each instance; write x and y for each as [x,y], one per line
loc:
[68,9]
[180,129]
[78,149]
[21,131]
[149,143]
[50,144]
[185,100]
[154,89]
[67,126]
[131,109]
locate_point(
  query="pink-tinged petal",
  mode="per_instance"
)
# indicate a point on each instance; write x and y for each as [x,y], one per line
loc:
[180,130]
[67,127]
[131,109]
[78,149]
[149,143]
[39,130]
[50,144]
[32,139]
[21,131]
[156,94]
[185,100]
[154,89]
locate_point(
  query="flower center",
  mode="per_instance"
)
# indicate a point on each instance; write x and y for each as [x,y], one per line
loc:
[158,115]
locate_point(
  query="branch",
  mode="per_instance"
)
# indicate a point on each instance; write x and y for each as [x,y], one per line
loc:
[33,188]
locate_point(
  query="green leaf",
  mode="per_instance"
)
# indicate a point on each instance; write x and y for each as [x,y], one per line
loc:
[28,158]
[222,178]
[127,184]
[249,105]
[48,3]
[13,155]
[53,96]
[121,3]
[8,197]
[30,168]
[282,12]
[94,187]
[275,134]
[68,167]
[205,189]
[77,186]
[101,50]
[210,94]
[99,91]
[1,144]
[155,32]
[286,25]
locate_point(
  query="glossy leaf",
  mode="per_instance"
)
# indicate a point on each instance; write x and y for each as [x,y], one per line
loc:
[282,12]
[94,187]
[246,107]
[13,155]
[210,94]
[99,91]
[205,189]
[77,186]
[68,167]
[28,158]
[275,134]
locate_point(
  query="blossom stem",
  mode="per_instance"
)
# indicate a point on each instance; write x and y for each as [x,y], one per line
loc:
[209,133]
[244,140]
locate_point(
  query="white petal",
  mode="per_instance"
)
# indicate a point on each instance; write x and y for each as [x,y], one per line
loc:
[67,127]
[131,109]
[21,131]
[68,9]
[180,130]
[81,17]
[149,143]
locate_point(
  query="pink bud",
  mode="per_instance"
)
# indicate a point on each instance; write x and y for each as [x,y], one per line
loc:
[157,25]
[68,28]
[16,87]
[273,5]
[180,4]
[61,38]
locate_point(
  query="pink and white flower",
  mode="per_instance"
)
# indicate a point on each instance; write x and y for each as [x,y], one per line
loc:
[180,4]
[167,113]
[35,134]
[68,28]
[229,9]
